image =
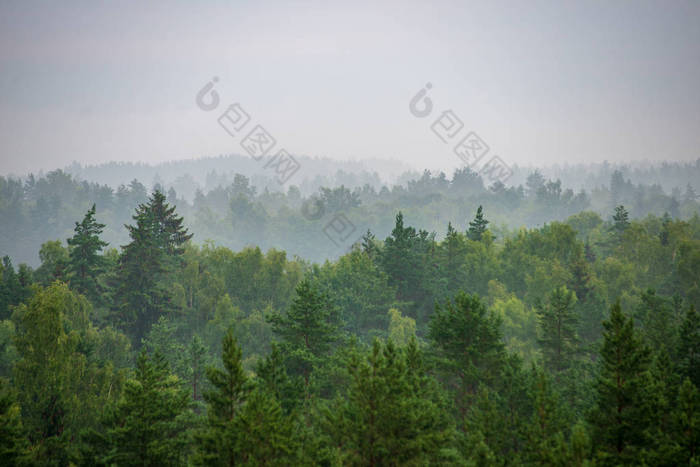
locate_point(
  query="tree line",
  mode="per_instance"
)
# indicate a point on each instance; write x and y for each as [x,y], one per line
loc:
[237,212]
[575,343]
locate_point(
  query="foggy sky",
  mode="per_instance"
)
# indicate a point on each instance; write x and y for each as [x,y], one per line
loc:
[540,82]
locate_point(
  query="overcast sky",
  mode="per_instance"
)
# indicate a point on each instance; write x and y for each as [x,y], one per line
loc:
[540,82]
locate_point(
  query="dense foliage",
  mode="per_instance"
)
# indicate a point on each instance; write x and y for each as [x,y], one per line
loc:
[573,343]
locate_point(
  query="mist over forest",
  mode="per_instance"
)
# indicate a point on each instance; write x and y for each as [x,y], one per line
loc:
[228,200]
[396,233]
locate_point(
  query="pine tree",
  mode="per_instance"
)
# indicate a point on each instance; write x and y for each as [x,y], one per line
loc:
[273,378]
[621,416]
[230,388]
[369,245]
[620,223]
[399,259]
[468,342]
[307,331]
[84,261]
[146,426]
[557,324]
[265,434]
[245,426]
[393,414]
[454,256]
[478,226]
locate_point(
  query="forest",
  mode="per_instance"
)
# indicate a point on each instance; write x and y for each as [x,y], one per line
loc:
[460,325]
[241,208]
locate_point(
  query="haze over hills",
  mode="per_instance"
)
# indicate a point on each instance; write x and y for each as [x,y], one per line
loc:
[236,202]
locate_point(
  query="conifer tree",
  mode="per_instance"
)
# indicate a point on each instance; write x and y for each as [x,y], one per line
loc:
[478,226]
[467,340]
[557,325]
[157,240]
[393,414]
[85,262]
[230,388]
[146,427]
[547,424]
[621,415]
[245,425]
[307,331]
[453,252]
[273,378]
[620,219]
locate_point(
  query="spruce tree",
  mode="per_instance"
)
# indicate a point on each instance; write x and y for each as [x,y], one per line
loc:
[478,226]
[85,262]
[557,325]
[621,415]
[146,265]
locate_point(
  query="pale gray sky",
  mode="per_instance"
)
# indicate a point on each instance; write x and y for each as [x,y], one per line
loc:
[542,82]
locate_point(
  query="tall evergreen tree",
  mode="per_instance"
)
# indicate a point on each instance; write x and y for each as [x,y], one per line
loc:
[478,226]
[85,262]
[157,240]
[621,416]
[393,414]
[620,220]
[307,331]
[557,325]
[454,256]
[230,388]
[146,427]
[468,342]
[245,426]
